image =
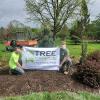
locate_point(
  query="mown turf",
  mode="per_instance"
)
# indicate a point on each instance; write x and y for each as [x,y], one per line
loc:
[75,50]
[56,96]
[4,55]
[1,49]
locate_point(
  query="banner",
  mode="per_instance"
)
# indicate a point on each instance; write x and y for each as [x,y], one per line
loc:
[41,58]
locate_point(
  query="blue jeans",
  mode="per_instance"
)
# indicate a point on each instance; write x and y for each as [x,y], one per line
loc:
[17,71]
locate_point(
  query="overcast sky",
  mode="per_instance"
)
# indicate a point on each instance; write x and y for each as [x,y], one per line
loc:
[15,10]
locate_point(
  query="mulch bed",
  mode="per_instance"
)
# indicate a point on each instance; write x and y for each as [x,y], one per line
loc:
[38,81]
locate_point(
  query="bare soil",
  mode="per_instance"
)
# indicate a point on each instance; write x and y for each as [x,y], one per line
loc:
[38,81]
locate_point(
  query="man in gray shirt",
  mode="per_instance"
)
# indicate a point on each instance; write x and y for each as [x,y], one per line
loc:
[65,60]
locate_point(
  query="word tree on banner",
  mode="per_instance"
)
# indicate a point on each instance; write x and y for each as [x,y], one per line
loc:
[41,58]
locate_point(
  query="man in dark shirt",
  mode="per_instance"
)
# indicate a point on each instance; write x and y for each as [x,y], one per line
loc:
[65,60]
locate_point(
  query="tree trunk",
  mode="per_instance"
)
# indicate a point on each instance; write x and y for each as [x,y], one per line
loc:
[54,37]
[84,49]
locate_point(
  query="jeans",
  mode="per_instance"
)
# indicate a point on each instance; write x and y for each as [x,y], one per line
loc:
[66,65]
[17,71]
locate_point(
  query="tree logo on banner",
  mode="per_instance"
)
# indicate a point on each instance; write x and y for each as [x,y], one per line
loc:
[31,59]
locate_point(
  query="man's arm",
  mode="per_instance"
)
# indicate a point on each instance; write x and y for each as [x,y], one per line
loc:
[65,58]
[18,64]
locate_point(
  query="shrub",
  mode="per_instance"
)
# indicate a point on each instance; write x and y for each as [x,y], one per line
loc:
[47,40]
[57,41]
[75,39]
[89,72]
[95,56]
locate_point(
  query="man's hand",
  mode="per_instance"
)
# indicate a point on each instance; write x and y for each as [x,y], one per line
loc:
[60,66]
[18,65]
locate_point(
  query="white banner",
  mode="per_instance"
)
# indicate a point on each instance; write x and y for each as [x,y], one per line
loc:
[41,58]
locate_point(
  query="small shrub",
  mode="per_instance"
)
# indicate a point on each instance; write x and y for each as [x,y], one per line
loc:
[47,40]
[75,39]
[89,72]
[95,56]
[57,41]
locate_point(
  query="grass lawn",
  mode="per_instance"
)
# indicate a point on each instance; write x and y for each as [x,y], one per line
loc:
[75,50]
[1,49]
[3,55]
[56,96]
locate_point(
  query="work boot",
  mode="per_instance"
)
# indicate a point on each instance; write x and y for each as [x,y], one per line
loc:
[65,72]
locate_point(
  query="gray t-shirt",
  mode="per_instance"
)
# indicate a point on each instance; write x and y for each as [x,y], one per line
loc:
[63,53]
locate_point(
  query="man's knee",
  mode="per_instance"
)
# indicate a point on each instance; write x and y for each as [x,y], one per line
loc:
[18,71]
[69,62]
[21,71]
[63,68]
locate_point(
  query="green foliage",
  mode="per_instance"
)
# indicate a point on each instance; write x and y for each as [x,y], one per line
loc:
[85,14]
[64,33]
[75,50]
[94,29]
[17,30]
[76,28]
[80,26]
[75,39]
[84,8]
[52,13]
[56,96]
[57,41]
[2,32]
[36,33]
[4,56]
[85,22]
[84,50]
[46,40]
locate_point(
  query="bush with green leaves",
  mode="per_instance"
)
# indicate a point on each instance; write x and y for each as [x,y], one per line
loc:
[46,40]
[75,39]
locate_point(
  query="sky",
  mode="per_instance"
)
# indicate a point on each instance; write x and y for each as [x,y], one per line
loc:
[15,10]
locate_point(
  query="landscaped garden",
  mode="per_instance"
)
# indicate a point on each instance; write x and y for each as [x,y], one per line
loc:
[57,57]
[46,84]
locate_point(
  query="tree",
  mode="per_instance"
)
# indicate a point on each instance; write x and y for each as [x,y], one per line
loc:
[2,32]
[94,29]
[54,13]
[46,40]
[63,34]
[19,30]
[84,23]
[75,31]
[76,28]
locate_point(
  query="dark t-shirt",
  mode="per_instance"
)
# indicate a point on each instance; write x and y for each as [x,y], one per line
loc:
[63,53]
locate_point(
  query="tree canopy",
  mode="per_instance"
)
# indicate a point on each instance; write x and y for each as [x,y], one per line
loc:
[53,13]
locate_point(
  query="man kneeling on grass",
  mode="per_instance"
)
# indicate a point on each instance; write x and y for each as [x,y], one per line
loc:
[65,60]
[15,66]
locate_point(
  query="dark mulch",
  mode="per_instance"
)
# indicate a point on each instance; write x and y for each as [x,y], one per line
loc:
[38,81]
